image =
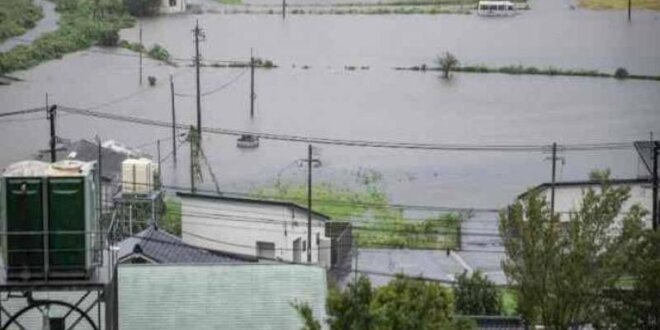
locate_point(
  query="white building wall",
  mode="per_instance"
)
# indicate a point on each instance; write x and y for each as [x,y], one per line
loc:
[236,227]
[172,6]
[568,199]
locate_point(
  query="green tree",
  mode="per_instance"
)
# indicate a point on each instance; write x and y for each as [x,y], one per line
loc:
[476,295]
[639,307]
[350,309]
[447,63]
[305,312]
[410,304]
[559,269]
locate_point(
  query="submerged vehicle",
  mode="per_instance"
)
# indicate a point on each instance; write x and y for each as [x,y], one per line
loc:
[247,141]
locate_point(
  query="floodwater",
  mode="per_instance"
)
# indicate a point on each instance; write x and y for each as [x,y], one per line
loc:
[377,103]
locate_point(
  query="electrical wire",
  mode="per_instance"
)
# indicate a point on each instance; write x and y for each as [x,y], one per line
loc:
[359,143]
[217,89]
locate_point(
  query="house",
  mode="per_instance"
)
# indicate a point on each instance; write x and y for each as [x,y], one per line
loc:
[156,246]
[568,195]
[173,6]
[270,230]
[206,297]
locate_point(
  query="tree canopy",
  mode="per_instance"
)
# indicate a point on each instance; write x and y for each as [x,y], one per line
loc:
[560,269]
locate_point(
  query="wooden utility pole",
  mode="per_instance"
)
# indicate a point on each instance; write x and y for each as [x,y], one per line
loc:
[252,95]
[173,120]
[309,203]
[629,10]
[141,50]
[656,217]
[53,137]
[283,9]
[192,136]
[198,33]
[158,154]
[554,171]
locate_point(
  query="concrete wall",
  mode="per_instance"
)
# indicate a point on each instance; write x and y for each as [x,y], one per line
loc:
[568,198]
[237,227]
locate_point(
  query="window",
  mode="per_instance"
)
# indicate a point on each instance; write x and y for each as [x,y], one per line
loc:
[172,3]
[266,250]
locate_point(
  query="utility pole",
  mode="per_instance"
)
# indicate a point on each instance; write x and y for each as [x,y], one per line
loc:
[355,251]
[283,9]
[554,171]
[629,9]
[100,175]
[141,49]
[309,204]
[554,160]
[192,137]
[158,154]
[656,218]
[252,95]
[173,120]
[198,32]
[53,138]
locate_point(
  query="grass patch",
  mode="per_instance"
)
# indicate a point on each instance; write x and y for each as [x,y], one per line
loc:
[80,27]
[231,2]
[619,4]
[171,219]
[375,222]
[509,302]
[17,16]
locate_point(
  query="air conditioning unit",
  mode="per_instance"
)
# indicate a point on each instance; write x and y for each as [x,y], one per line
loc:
[137,176]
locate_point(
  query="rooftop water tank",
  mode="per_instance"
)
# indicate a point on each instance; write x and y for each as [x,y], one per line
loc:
[137,176]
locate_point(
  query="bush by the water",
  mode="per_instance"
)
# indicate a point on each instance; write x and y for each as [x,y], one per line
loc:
[159,53]
[621,73]
[109,37]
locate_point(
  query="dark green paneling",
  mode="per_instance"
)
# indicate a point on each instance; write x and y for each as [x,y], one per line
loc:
[66,213]
[25,214]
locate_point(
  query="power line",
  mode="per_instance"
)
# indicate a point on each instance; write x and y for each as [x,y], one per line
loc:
[217,89]
[361,143]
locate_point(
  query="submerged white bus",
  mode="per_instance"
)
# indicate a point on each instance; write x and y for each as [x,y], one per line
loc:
[496,8]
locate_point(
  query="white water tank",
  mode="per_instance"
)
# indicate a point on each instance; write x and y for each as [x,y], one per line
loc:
[137,176]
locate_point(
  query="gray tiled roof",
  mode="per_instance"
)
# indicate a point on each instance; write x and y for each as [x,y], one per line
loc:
[162,247]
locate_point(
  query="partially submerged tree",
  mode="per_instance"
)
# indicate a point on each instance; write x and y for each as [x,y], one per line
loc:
[475,294]
[447,63]
[560,269]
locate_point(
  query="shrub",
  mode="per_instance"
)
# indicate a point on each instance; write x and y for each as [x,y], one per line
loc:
[159,53]
[108,37]
[476,295]
[621,73]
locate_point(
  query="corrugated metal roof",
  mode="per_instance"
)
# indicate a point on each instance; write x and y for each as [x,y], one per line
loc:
[164,297]
[162,247]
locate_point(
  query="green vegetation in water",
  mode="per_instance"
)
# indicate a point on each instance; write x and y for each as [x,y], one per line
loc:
[620,73]
[156,52]
[80,27]
[376,223]
[17,16]
[258,63]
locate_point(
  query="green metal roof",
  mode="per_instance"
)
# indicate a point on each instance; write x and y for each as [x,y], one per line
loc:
[190,297]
